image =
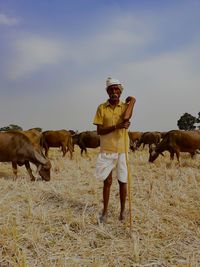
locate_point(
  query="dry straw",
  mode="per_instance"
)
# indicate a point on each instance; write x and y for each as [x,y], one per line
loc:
[55,224]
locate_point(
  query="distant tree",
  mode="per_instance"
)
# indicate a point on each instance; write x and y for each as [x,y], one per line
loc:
[186,122]
[198,120]
[11,127]
[4,129]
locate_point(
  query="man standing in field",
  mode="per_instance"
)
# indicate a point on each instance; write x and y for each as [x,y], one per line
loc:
[114,143]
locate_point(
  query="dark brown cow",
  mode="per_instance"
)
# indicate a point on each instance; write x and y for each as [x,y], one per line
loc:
[176,141]
[58,138]
[17,148]
[149,138]
[87,139]
[134,138]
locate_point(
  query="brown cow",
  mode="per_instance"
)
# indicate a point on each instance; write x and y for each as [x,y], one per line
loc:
[176,141]
[58,138]
[149,138]
[17,148]
[134,138]
[36,138]
[87,139]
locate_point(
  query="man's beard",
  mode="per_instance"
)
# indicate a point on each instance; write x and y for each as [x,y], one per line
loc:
[114,96]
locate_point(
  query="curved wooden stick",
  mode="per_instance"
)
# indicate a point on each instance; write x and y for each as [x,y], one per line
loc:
[129,185]
[127,115]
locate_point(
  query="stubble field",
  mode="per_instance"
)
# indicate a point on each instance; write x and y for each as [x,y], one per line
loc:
[55,224]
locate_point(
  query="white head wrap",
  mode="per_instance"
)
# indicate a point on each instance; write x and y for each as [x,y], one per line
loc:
[110,81]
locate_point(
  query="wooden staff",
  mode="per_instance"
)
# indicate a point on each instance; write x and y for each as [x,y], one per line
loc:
[127,115]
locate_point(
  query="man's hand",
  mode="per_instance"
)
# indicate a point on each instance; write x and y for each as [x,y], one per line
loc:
[129,99]
[124,124]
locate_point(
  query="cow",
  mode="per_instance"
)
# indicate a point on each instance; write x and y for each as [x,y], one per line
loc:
[35,137]
[16,147]
[134,138]
[58,138]
[87,139]
[149,138]
[176,141]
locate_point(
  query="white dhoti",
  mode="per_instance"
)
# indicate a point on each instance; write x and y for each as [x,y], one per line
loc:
[107,162]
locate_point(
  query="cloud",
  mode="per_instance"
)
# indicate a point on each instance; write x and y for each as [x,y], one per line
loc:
[112,40]
[32,53]
[6,20]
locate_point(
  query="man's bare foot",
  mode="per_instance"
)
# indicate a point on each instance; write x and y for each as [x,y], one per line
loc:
[102,218]
[121,217]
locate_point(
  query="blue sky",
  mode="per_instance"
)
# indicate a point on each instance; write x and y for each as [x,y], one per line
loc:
[57,55]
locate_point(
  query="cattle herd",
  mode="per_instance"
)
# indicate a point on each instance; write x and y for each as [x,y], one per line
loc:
[174,141]
[22,147]
[32,146]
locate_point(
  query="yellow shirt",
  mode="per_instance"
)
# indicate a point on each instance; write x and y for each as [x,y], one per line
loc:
[117,140]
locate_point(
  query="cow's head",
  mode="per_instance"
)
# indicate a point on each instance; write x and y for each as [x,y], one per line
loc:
[133,145]
[153,154]
[44,170]
[43,164]
[75,139]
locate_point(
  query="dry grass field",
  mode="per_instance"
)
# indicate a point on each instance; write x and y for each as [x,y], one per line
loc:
[55,224]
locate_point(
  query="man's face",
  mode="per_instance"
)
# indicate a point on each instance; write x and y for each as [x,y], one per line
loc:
[114,92]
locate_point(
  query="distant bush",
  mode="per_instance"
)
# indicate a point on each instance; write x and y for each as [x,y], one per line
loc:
[11,127]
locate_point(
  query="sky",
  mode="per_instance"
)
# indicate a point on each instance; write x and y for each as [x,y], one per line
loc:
[57,54]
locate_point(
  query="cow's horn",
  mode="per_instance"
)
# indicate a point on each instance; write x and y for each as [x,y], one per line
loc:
[40,158]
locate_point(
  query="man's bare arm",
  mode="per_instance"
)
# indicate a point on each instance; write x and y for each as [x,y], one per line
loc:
[105,130]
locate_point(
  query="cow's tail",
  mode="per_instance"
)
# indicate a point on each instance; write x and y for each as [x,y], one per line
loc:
[70,144]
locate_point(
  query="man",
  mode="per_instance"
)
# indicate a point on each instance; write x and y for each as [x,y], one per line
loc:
[114,143]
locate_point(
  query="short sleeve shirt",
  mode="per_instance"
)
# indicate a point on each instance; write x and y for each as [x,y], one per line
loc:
[115,141]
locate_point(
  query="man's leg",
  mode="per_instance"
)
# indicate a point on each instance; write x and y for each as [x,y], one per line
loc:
[123,193]
[106,195]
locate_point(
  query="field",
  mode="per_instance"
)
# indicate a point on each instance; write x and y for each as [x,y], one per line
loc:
[55,224]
